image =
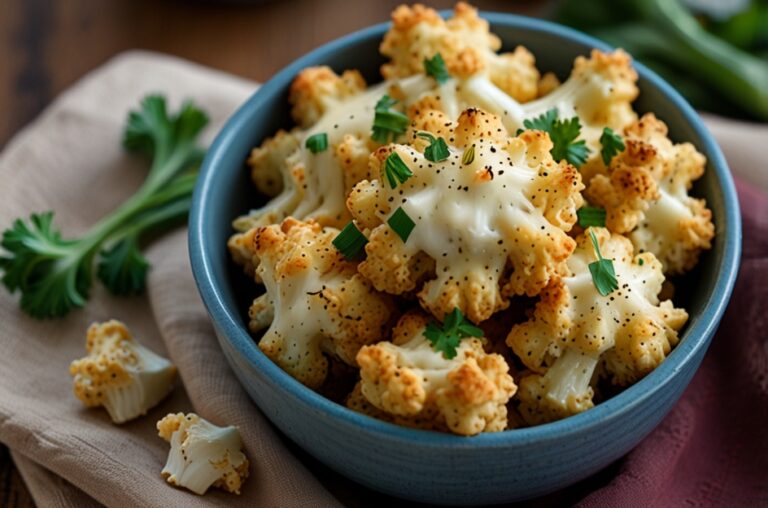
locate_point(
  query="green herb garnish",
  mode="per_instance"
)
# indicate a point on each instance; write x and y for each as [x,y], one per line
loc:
[387,123]
[563,134]
[317,142]
[611,145]
[641,261]
[603,275]
[401,224]
[54,275]
[591,216]
[469,156]
[350,242]
[437,150]
[436,68]
[396,170]
[447,338]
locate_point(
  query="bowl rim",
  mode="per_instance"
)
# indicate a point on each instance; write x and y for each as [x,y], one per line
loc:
[229,323]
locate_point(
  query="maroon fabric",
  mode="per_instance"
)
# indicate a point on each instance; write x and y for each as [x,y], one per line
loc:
[712,449]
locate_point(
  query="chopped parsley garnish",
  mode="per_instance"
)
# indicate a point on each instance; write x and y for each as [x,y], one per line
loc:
[317,142]
[602,271]
[396,170]
[437,150]
[563,134]
[611,145]
[591,216]
[401,224]
[447,338]
[387,123]
[350,242]
[435,67]
[469,155]
[641,261]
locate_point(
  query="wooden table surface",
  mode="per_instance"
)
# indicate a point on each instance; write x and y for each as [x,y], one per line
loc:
[46,45]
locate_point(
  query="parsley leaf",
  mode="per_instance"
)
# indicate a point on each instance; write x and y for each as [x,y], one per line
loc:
[436,68]
[563,134]
[387,123]
[611,145]
[603,274]
[591,216]
[437,150]
[395,170]
[446,339]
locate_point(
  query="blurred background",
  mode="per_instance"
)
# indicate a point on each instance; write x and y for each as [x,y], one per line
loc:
[714,51]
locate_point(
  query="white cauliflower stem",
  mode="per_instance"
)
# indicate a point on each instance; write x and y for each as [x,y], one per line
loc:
[408,379]
[120,374]
[202,454]
[316,302]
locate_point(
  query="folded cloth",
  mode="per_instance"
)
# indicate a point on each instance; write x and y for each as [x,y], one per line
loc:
[711,450]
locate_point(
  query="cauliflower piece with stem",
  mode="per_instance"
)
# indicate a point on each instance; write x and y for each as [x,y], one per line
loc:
[483,231]
[315,302]
[464,42]
[408,378]
[120,374]
[573,327]
[202,455]
[645,195]
[318,89]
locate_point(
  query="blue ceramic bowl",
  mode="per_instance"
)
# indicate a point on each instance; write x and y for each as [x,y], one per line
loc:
[428,466]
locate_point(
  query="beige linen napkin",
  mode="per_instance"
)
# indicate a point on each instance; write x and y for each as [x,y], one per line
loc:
[69,160]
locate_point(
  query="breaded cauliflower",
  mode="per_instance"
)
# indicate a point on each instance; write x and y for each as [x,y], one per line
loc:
[316,90]
[574,327]
[483,231]
[465,44]
[645,193]
[202,455]
[120,374]
[315,303]
[408,378]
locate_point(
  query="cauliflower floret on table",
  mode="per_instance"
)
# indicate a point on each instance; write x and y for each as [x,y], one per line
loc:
[315,301]
[202,454]
[120,374]
[464,42]
[483,231]
[574,327]
[645,193]
[316,90]
[409,380]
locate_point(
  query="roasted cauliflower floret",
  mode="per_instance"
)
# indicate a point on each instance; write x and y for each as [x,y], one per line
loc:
[408,378]
[315,301]
[573,327]
[465,44]
[202,454]
[483,231]
[318,89]
[645,194]
[120,374]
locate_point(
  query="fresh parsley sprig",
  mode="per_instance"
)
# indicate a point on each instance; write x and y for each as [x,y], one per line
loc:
[603,274]
[437,150]
[447,338]
[563,134]
[436,68]
[387,123]
[611,145]
[54,275]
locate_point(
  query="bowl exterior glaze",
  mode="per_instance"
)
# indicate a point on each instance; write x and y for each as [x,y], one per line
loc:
[427,466]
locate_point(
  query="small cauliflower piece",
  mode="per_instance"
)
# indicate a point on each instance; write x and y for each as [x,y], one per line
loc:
[408,378]
[645,194]
[483,231]
[464,42]
[120,374]
[316,90]
[315,301]
[202,454]
[573,328]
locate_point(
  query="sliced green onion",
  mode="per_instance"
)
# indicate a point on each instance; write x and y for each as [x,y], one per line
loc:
[437,150]
[396,170]
[591,216]
[387,123]
[401,224]
[469,155]
[351,242]
[317,142]
[436,68]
